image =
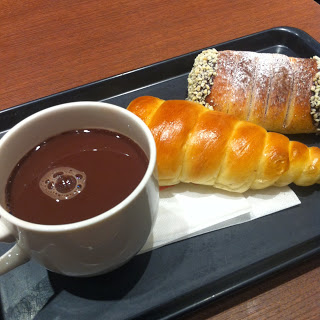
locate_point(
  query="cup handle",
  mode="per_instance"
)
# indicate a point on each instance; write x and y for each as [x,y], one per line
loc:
[13,257]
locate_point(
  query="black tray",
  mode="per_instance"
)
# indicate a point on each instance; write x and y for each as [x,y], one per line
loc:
[183,276]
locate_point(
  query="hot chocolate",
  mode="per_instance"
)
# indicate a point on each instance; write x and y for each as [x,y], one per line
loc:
[75,176]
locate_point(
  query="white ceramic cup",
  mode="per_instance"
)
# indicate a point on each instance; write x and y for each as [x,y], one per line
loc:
[96,245]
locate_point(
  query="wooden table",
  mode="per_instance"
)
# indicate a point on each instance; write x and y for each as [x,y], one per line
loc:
[50,46]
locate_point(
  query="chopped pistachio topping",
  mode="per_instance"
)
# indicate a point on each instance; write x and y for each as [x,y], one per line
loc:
[200,79]
[315,97]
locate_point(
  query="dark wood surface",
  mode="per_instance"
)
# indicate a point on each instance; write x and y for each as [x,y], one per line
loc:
[50,46]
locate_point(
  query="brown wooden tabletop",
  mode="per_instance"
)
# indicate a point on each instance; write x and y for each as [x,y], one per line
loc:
[50,46]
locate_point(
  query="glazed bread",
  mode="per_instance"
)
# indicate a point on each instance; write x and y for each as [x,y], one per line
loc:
[279,93]
[201,146]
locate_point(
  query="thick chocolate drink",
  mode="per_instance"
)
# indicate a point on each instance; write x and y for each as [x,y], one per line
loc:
[75,176]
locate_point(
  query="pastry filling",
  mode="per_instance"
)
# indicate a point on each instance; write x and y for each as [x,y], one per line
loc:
[315,97]
[200,79]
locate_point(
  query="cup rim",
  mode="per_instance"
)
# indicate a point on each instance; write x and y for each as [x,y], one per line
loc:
[104,215]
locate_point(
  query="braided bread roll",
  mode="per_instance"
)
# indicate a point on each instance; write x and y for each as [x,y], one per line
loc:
[201,146]
[279,93]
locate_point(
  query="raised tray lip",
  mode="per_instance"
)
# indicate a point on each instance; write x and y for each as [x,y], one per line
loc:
[240,280]
[249,274]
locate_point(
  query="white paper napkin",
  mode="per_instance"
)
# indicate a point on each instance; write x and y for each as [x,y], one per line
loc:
[187,210]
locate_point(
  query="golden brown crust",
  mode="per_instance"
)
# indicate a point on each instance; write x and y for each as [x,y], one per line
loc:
[279,94]
[241,83]
[220,94]
[206,147]
[240,165]
[271,90]
[299,116]
[198,145]
[274,160]
[144,107]
[298,156]
[260,90]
